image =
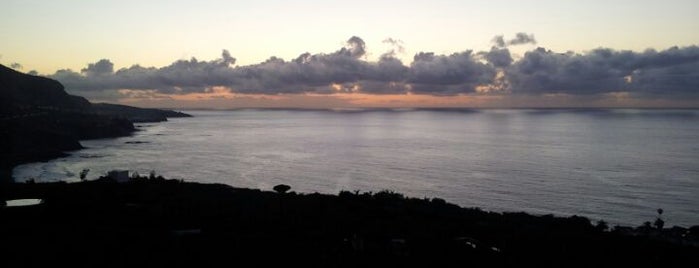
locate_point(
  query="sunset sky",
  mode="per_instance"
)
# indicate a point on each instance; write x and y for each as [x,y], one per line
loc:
[325,54]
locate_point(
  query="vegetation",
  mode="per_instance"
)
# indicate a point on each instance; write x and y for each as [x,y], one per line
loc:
[281,188]
[151,220]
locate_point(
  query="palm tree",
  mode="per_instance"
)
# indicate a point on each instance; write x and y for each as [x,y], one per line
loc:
[659,222]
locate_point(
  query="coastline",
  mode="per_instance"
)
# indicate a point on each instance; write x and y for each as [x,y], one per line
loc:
[40,121]
[251,169]
[6,172]
[72,144]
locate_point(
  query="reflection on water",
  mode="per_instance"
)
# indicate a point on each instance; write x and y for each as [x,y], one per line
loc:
[617,165]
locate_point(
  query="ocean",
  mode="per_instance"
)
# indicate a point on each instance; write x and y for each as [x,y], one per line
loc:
[618,165]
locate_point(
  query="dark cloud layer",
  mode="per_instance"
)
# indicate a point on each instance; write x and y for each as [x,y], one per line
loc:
[670,73]
[673,72]
[448,75]
[102,67]
[499,57]
[341,71]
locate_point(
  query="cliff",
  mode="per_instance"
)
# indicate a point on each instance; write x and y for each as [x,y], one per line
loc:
[40,121]
[21,94]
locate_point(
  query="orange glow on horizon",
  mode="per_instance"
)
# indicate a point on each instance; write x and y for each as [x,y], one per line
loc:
[224,98]
[414,100]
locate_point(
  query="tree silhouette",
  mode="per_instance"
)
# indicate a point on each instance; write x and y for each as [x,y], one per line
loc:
[659,222]
[83,174]
[602,225]
[281,188]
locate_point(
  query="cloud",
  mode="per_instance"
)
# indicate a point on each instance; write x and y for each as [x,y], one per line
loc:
[355,48]
[102,67]
[226,58]
[457,73]
[499,57]
[499,41]
[520,39]
[180,77]
[543,71]
[670,73]
[343,71]
[397,45]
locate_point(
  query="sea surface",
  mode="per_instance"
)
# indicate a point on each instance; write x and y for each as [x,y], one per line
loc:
[619,165]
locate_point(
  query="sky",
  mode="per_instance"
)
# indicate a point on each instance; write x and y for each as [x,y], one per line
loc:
[326,54]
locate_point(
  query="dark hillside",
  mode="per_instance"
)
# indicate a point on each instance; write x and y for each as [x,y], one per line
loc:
[168,223]
[40,121]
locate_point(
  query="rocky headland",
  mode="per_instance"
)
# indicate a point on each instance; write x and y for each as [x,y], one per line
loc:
[40,121]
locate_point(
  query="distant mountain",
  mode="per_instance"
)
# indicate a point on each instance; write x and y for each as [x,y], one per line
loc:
[40,121]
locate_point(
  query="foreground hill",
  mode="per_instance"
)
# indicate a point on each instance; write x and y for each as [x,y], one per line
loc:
[39,120]
[153,222]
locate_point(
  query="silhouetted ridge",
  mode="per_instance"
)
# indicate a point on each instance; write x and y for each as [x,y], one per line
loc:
[155,222]
[40,121]
[24,92]
[135,114]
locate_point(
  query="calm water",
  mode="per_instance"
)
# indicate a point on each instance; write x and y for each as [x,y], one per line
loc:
[616,165]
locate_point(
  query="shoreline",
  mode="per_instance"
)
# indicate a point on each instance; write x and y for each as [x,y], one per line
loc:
[632,216]
[40,121]
[9,164]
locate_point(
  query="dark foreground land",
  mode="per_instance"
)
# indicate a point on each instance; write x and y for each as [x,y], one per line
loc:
[153,222]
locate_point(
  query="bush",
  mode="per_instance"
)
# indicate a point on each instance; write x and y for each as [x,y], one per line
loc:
[281,188]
